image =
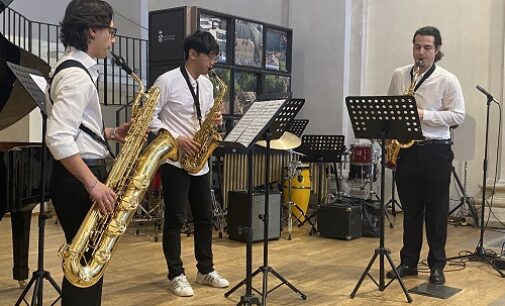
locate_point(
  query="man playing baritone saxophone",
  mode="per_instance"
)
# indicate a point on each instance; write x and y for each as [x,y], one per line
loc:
[186,98]
[87,32]
[424,170]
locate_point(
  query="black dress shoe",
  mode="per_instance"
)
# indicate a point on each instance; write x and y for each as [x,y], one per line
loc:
[437,277]
[403,270]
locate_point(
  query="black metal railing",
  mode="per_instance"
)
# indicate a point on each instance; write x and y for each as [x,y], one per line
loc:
[42,40]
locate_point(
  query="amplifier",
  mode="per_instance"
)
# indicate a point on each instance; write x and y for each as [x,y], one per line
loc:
[238,215]
[339,221]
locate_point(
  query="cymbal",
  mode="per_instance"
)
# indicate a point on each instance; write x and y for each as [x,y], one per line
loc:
[285,142]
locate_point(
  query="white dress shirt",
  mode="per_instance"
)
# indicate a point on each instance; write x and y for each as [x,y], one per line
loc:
[440,96]
[76,101]
[176,112]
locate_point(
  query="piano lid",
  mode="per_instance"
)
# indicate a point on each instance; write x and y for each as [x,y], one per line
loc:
[15,101]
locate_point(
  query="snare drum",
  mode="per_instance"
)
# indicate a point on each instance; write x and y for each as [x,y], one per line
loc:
[300,190]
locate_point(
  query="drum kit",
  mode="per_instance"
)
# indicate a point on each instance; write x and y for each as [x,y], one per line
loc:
[363,159]
[363,162]
[296,182]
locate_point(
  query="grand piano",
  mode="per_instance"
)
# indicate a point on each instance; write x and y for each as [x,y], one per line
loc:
[20,162]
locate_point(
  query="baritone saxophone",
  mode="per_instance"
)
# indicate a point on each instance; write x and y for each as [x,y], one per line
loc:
[85,259]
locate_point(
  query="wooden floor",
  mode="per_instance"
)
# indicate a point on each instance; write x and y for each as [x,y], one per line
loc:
[324,269]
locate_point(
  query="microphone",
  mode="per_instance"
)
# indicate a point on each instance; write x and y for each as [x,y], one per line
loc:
[485,92]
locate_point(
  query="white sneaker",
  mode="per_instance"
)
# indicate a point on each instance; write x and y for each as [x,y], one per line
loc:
[212,279]
[179,286]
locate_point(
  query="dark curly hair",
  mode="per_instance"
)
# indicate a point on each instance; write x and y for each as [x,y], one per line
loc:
[81,15]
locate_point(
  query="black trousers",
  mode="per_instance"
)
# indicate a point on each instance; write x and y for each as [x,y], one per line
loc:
[178,188]
[423,177]
[71,202]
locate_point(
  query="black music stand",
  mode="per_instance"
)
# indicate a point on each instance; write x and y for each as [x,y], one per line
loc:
[271,119]
[320,149]
[31,80]
[297,126]
[384,117]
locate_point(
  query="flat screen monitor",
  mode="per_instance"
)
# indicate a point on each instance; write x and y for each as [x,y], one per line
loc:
[218,27]
[246,88]
[276,49]
[276,83]
[248,43]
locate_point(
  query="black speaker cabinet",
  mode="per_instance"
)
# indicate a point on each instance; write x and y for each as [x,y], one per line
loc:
[339,221]
[238,215]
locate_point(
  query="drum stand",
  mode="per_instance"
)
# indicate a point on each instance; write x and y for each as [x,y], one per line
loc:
[291,173]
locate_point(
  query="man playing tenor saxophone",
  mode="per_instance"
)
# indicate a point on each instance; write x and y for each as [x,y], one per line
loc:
[75,134]
[186,100]
[424,169]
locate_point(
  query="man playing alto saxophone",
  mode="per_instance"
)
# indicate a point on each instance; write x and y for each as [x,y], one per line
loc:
[186,98]
[87,31]
[424,170]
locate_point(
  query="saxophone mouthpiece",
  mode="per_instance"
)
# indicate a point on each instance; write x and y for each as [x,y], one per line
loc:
[121,62]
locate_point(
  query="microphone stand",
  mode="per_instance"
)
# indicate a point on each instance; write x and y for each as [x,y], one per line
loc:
[480,251]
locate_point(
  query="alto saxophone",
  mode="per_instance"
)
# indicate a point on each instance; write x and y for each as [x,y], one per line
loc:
[206,136]
[85,259]
[394,145]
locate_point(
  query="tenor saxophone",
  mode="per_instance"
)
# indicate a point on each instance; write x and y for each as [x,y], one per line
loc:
[394,145]
[85,259]
[206,136]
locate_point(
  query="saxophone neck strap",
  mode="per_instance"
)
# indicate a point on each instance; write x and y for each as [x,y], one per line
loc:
[73,63]
[425,76]
[196,96]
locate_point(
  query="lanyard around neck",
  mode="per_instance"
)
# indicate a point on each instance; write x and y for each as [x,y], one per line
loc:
[196,95]
[425,76]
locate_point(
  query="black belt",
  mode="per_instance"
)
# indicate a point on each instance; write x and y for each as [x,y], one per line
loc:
[434,142]
[94,162]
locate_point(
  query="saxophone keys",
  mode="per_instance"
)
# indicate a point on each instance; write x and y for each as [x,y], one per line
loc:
[102,256]
[116,228]
[129,204]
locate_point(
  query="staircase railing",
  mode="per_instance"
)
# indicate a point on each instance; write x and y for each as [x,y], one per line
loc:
[42,40]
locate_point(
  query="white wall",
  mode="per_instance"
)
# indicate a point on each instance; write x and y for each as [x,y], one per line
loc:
[472,37]
[318,62]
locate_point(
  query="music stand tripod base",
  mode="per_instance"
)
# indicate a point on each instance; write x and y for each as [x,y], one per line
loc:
[383,117]
[26,77]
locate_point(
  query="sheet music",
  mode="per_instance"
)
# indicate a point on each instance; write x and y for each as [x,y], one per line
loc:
[40,81]
[253,121]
